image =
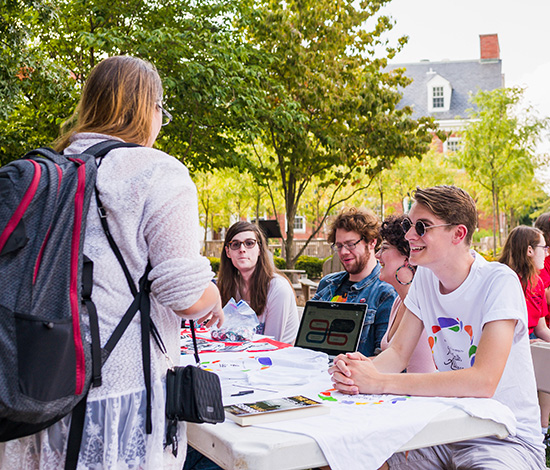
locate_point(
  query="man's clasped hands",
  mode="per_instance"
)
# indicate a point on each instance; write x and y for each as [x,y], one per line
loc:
[354,373]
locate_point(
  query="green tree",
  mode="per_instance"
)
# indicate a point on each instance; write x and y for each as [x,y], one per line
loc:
[226,194]
[499,146]
[329,108]
[395,185]
[49,46]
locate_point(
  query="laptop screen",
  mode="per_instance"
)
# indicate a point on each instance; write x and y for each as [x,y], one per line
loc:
[331,327]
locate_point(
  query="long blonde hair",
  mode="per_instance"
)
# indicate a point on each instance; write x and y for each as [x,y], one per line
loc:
[118,99]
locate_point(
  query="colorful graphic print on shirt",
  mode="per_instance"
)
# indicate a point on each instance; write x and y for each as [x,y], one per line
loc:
[462,341]
[340,298]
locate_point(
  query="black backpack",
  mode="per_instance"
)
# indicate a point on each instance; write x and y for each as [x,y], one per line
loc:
[48,365]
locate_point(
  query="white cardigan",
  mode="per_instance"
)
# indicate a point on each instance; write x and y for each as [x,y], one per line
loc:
[152,212]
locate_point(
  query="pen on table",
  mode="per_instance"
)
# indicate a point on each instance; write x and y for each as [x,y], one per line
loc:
[255,388]
[243,392]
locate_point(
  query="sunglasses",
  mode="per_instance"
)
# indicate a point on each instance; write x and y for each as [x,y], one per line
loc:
[235,245]
[420,227]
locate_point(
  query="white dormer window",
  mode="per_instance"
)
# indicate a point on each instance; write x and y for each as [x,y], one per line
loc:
[438,99]
[439,94]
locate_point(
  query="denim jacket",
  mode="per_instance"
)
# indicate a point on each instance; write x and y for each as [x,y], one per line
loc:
[378,296]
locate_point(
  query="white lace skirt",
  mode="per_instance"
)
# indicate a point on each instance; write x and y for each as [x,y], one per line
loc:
[114,438]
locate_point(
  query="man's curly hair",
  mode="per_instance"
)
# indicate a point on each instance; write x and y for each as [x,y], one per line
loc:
[392,231]
[363,221]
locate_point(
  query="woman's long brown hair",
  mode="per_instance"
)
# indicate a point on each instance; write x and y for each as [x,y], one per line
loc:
[229,278]
[118,99]
[514,253]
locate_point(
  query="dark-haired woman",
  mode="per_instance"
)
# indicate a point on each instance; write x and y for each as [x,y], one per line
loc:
[152,210]
[543,224]
[525,251]
[247,272]
[395,269]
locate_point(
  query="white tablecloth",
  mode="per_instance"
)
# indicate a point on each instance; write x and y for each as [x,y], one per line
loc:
[361,431]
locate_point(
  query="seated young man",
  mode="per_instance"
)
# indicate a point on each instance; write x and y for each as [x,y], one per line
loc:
[475,313]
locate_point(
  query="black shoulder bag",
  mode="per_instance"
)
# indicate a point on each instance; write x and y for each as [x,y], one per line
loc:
[192,394]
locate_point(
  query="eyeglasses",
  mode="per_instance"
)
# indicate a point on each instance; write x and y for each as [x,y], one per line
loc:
[235,245]
[166,116]
[350,246]
[545,248]
[420,227]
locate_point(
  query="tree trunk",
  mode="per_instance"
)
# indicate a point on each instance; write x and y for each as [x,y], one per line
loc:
[382,204]
[494,202]
[205,231]
[258,200]
[289,242]
[291,209]
[498,221]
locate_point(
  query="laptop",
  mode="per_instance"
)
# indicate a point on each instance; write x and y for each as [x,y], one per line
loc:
[331,327]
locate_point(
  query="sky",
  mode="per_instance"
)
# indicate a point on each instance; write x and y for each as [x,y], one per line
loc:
[450,29]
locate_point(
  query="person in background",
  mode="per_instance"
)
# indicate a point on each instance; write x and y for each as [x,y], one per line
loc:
[152,210]
[526,251]
[354,235]
[247,272]
[543,224]
[475,314]
[395,269]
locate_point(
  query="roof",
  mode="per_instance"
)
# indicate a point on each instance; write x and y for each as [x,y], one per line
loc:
[465,77]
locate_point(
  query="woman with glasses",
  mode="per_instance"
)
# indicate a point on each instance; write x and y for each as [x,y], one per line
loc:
[393,256]
[543,224]
[525,251]
[152,211]
[247,272]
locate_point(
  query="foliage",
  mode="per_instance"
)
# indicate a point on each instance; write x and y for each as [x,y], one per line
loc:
[313,266]
[215,263]
[481,233]
[393,188]
[216,209]
[48,48]
[489,256]
[328,109]
[280,263]
[499,145]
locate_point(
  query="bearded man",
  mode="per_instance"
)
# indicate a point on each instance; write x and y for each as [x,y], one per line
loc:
[354,235]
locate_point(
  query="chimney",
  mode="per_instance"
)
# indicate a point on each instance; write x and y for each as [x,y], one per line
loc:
[488,44]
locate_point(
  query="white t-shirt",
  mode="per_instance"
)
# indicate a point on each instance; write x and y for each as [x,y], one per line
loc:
[454,322]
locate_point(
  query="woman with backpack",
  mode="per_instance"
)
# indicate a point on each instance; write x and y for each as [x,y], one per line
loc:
[151,207]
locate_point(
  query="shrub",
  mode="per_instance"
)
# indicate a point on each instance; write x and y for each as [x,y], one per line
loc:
[311,265]
[280,263]
[488,255]
[215,263]
[481,233]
